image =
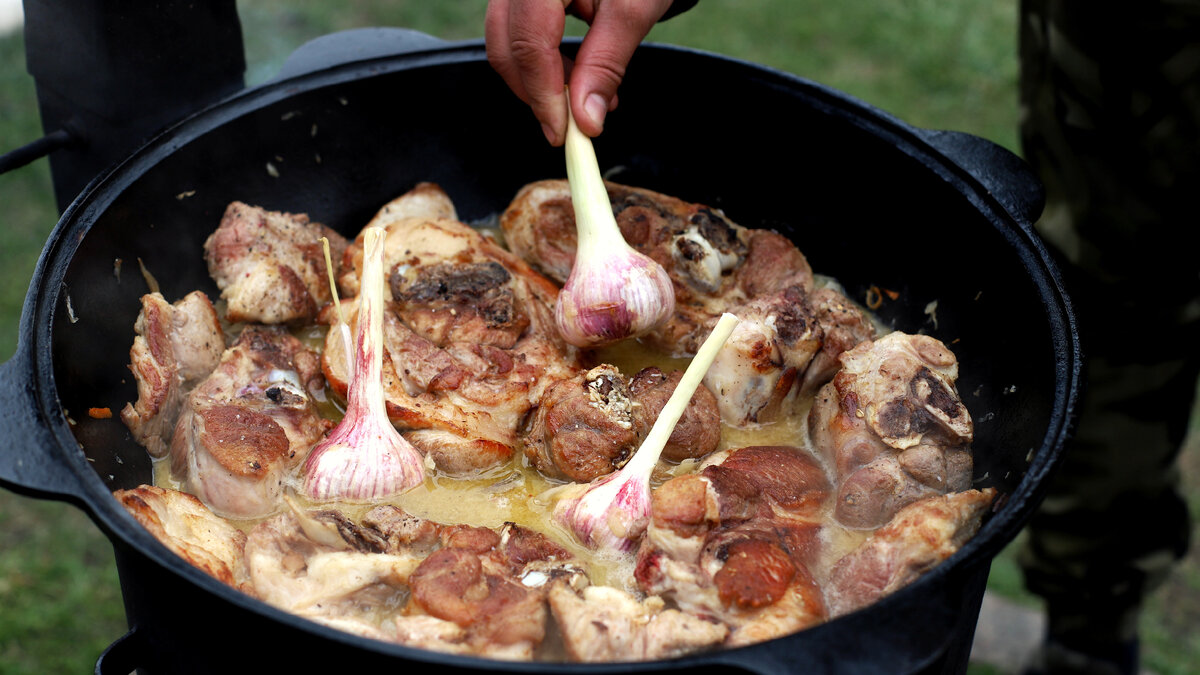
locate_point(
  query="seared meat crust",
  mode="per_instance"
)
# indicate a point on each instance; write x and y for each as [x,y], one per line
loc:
[191,531]
[470,339]
[176,346]
[736,540]
[270,266]
[590,425]
[250,423]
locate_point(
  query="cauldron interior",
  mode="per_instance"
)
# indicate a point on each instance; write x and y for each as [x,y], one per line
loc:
[838,178]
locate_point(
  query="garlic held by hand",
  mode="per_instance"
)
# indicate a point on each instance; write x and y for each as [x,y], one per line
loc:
[612,512]
[364,458]
[613,292]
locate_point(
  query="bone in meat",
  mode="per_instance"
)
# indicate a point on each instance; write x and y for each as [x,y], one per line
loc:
[892,427]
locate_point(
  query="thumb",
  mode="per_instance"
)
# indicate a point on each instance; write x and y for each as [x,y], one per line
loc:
[616,30]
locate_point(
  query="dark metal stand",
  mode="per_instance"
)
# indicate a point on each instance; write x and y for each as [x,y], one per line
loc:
[110,74]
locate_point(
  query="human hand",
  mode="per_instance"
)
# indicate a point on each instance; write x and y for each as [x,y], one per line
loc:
[523,37]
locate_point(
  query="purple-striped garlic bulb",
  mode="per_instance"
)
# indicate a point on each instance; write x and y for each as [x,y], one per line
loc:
[613,292]
[364,458]
[612,512]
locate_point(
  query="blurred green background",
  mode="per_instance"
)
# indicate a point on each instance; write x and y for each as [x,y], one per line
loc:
[948,65]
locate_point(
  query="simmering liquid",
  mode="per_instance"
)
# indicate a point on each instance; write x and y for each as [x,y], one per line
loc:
[516,492]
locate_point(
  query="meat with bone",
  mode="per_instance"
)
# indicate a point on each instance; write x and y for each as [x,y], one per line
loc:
[193,532]
[250,423]
[590,425]
[918,537]
[177,345]
[736,541]
[470,341]
[601,623]
[492,585]
[322,566]
[270,266]
[892,427]
[716,266]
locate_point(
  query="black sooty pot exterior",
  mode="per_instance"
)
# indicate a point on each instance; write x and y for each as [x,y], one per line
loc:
[943,218]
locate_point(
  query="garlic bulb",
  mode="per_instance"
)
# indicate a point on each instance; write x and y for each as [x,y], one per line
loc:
[364,458]
[613,292]
[612,512]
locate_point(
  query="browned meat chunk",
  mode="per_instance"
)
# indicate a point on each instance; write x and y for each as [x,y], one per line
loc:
[918,537]
[843,325]
[590,425]
[892,427]
[760,366]
[736,542]
[184,525]
[698,431]
[270,266]
[250,423]
[583,428]
[176,346]
[601,623]
[491,585]
[470,342]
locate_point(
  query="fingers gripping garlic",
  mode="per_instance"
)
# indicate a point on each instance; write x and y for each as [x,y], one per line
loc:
[612,512]
[364,457]
[613,292]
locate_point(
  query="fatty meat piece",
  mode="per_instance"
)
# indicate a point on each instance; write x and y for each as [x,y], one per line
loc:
[246,427]
[469,336]
[737,541]
[176,346]
[193,532]
[892,427]
[269,265]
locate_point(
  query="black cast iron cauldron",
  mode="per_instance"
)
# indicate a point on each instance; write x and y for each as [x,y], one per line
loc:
[943,219]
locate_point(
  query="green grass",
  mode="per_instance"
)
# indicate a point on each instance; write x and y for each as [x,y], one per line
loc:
[948,65]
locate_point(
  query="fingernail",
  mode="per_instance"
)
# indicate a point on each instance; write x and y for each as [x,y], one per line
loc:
[596,107]
[548,131]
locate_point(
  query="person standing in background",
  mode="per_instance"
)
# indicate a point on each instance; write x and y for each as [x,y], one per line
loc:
[1110,121]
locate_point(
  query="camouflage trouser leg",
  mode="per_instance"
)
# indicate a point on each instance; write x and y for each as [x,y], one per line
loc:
[1110,95]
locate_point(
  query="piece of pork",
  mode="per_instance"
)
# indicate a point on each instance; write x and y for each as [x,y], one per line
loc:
[892,427]
[736,541]
[193,532]
[716,266]
[601,623]
[270,266]
[250,423]
[759,368]
[492,585]
[470,338]
[918,537]
[590,425]
[176,346]
[324,567]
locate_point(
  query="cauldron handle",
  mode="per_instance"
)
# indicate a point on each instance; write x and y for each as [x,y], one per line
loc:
[29,461]
[122,656]
[1005,175]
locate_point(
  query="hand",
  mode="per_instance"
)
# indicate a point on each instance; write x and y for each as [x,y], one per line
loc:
[523,37]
